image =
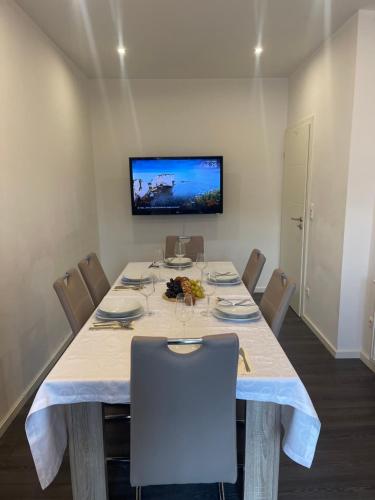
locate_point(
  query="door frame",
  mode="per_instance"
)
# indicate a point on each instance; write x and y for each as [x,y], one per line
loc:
[309,120]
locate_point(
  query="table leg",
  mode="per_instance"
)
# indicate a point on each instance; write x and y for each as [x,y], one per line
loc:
[262,451]
[86,451]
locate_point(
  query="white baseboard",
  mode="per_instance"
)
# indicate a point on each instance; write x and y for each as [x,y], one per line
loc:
[323,339]
[367,361]
[347,354]
[17,407]
[336,353]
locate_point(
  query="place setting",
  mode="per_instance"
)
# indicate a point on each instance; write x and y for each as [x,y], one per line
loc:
[179,261]
[225,278]
[116,313]
[237,310]
[136,279]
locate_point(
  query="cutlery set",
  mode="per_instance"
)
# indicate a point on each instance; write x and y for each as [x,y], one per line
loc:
[112,325]
[127,287]
[233,302]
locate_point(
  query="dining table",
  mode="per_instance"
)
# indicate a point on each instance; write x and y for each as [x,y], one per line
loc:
[95,369]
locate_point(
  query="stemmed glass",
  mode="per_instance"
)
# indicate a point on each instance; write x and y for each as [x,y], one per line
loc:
[179,248]
[209,291]
[158,256]
[158,260]
[201,263]
[184,309]
[147,288]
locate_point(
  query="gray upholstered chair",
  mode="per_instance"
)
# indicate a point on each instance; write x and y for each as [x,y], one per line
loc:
[183,412]
[276,299]
[98,286]
[74,299]
[194,245]
[78,307]
[94,277]
[253,270]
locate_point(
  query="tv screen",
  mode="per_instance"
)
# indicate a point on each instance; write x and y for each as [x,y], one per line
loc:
[177,185]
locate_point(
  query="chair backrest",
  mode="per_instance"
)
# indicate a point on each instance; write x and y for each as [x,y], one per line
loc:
[74,298]
[183,412]
[194,245]
[94,276]
[253,270]
[276,299]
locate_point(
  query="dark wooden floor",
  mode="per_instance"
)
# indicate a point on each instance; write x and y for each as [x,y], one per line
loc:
[343,392]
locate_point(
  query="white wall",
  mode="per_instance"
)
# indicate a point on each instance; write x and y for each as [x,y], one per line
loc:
[356,285]
[369,309]
[244,120]
[324,88]
[47,196]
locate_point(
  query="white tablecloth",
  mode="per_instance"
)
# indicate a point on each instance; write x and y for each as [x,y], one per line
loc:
[96,368]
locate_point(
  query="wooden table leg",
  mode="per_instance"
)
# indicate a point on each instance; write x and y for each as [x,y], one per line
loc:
[262,451]
[86,451]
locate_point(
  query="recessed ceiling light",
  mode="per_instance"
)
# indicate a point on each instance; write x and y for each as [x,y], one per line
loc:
[258,50]
[121,50]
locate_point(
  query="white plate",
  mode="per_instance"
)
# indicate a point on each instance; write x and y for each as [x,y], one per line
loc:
[220,316]
[178,261]
[185,266]
[230,277]
[237,316]
[118,306]
[119,318]
[243,311]
[134,279]
[225,283]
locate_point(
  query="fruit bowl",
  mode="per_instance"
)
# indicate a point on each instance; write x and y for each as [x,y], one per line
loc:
[184,285]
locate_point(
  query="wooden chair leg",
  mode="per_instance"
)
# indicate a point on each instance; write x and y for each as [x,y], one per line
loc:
[138,493]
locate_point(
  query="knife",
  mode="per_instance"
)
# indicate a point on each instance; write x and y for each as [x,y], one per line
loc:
[244,357]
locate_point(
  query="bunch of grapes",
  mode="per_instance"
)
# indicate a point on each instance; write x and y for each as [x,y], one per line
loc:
[186,286]
[173,288]
[197,289]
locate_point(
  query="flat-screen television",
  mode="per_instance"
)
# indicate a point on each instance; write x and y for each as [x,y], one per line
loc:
[176,185]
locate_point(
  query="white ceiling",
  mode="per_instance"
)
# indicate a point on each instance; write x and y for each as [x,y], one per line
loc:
[189,38]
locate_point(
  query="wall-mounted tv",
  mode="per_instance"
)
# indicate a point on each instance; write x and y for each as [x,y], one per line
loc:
[176,185]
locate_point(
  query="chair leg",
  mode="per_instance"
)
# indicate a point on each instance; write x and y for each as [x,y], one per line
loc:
[221,491]
[138,493]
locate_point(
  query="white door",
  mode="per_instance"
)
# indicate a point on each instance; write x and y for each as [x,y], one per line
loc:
[294,194]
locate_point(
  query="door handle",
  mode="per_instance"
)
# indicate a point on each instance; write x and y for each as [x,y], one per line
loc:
[297,219]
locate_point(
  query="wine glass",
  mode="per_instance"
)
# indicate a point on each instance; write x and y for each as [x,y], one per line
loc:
[209,291]
[201,263]
[184,309]
[158,261]
[179,248]
[147,288]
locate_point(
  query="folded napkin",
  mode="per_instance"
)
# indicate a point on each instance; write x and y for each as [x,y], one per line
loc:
[234,300]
